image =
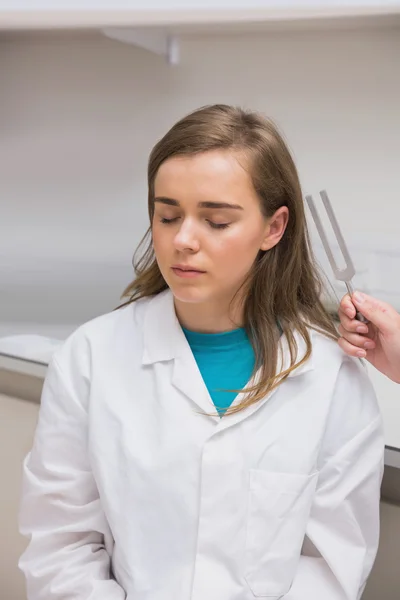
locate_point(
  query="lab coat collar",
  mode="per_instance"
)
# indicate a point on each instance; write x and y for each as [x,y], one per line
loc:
[165,340]
[284,354]
[163,335]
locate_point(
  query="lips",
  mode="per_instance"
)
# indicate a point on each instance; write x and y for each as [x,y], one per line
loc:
[187,268]
[186,271]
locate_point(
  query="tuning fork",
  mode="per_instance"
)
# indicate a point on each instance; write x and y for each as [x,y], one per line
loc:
[346,274]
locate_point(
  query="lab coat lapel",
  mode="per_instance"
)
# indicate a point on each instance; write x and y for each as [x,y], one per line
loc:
[187,379]
[164,340]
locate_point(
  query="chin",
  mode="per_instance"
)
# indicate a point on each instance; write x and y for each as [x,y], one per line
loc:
[189,295]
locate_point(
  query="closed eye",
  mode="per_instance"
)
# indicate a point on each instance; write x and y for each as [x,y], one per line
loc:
[167,221]
[211,223]
[218,225]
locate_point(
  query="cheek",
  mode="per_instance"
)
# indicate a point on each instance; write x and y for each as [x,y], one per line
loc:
[240,246]
[159,237]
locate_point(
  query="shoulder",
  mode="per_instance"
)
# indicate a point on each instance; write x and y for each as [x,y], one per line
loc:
[324,347]
[100,338]
[353,402]
[328,359]
[328,356]
[348,375]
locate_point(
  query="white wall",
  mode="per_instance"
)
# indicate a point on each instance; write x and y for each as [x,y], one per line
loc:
[80,114]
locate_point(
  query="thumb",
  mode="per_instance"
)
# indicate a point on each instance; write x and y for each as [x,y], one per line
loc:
[378,313]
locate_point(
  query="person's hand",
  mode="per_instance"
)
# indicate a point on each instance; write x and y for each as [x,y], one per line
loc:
[379,341]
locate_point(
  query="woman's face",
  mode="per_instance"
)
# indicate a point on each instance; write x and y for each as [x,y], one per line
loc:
[208,227]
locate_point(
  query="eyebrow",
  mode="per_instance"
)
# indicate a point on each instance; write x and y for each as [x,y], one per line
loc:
[218,205]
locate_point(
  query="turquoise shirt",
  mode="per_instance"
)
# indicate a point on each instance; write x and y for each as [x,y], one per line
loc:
[225,361]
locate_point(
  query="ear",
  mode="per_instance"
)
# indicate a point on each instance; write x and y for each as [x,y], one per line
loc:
[275,228]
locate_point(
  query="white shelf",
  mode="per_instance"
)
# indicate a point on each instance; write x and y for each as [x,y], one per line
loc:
[42,14]
[157,28]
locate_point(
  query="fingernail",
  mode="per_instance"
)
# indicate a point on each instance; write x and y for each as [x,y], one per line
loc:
[361,353]
[359,297]
[369,345]
[362,329]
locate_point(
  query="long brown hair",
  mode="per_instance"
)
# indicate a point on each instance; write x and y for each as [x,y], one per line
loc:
[284,285]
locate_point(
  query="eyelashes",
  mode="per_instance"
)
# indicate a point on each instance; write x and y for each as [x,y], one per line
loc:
[210,223]
[218,225]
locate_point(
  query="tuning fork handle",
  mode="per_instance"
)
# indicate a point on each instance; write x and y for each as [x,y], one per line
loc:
[359,316]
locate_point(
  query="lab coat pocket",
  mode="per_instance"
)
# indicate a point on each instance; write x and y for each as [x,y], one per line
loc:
[278,510]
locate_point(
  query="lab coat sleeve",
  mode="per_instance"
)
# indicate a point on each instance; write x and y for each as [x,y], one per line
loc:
[61,513]
[343,529]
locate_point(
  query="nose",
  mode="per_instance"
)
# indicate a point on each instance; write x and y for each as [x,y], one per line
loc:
[186,239]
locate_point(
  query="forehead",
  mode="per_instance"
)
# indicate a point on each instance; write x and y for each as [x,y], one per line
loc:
[214,173]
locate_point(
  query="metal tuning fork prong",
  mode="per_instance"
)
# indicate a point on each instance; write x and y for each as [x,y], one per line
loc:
[346,274]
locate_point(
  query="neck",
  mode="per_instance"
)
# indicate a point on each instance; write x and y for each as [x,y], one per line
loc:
[208,318]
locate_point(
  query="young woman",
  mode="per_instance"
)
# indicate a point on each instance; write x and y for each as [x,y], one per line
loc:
[209,440]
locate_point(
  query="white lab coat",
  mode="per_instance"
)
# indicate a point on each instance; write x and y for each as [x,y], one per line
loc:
[130,491]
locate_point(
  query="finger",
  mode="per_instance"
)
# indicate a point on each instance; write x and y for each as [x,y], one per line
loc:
[379,313]
[357,340]
[352,325]
[351,350]
[347,307]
